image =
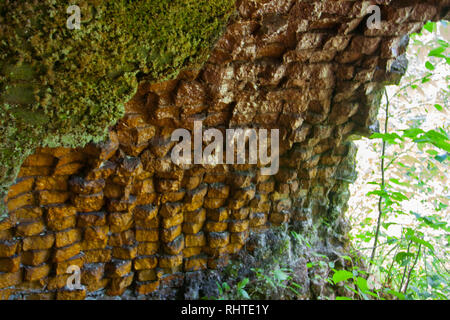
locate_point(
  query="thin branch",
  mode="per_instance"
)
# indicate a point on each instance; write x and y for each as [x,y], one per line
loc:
[388,278]
[412,267]
[380,209]
[406,267]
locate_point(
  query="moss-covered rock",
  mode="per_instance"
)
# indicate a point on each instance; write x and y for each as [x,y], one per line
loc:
[63,87]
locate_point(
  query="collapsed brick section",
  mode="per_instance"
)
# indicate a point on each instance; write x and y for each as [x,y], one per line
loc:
[130,218]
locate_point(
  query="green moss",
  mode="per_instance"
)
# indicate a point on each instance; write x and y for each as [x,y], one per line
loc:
[62,87]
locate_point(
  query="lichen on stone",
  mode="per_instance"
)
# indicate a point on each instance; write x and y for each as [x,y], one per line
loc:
[63,87]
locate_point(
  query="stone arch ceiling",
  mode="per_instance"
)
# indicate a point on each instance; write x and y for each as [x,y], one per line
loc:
[133,221]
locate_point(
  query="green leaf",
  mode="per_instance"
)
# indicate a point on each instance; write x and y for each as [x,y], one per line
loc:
[342,275]
[244,294]
[432,152]
[412,133]
[430,26]
[343,298]
[242,283]
[397,294]
[443,43]
[362,284]
[429,66]
[396,181]
[225,286]
[280,275]
[437,52]
[422,242]
[402,257]
[388,137]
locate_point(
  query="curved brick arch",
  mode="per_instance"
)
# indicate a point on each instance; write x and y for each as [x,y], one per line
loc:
[130,218]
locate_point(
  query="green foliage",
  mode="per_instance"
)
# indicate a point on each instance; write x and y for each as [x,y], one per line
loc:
[226,292]
[411,263]
[279,278]
[62,87]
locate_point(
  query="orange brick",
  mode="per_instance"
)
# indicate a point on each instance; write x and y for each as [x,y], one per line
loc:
[34,171]
[6,234]
[147,287]
[145,213]
[170,209]
[169,262]
[145,262]
[11,264]
[68,169]
[57,282]
[172,221]
[93,244]
[35,257]
[213,226]
[198,216]
[192,228]
[175,246]
[240,214]
[67,237]
[8,248]
[220,214]
[97,255]
[239,237]
[147,275]
[118,268]
[96,233]
[66,253]
[218,239]
[192,251]
[79,294]
[59,212]
[147,235]
[117,286]
[70,158]
[122,238]
[195,240]
[10,279]
[37,272]
[88,203]
[172,196]
[168,235]
[23,200]
[26,229]
[257,219]
[195,264]
[53,197]
[120,221]
[238,226]
[39,160]
[124,253]
[58,183]
[62,223]
[147,248]
[21,186]
[214,203]
[92,273]
[28,213]
[91,219]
